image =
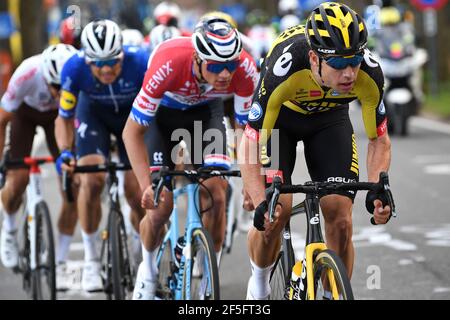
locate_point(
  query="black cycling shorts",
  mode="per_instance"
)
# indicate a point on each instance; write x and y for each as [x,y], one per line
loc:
[203,130]
[329,146]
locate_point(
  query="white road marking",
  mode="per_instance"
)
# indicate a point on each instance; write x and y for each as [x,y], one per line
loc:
[438,169]
[441,290]
[430,124]
[431,158]
[405,262]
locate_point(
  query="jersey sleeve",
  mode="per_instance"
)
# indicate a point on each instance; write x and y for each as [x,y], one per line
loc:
[18,88]
[276,86]
[156,82]
[244,83]
[70,88]
[369,90]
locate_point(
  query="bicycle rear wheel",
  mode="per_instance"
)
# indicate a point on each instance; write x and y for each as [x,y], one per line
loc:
[122,278]
[281,273]
[328,268]
[205,285]
[44,277]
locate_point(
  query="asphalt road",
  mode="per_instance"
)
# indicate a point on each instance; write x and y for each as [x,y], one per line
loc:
[406,259]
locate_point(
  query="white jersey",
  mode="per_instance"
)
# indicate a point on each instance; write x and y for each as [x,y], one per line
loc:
[28,85]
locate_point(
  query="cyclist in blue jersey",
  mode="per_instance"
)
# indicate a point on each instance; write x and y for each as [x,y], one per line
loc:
[101,82]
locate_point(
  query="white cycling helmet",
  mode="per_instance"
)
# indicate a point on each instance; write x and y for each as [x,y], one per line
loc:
[132,37]
[288,21]
[287,6]
[101,40]
[167,13]
[53,60]
[215,39]
[162,33]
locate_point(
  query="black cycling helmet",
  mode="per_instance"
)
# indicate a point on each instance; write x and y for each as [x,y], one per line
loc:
[335,29]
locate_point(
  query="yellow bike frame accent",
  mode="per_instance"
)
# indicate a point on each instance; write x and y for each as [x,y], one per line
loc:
[309,255]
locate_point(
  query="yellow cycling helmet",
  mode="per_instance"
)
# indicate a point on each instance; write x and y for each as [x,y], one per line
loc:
[334,28]
[389,16]
[221,15]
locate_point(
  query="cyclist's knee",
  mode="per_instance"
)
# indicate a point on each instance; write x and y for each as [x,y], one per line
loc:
[16,184]
[158,217]
[217,188]
[93,183]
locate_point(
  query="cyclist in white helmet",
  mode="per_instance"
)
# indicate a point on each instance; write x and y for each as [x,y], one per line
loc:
[132,37]
[30,101]
[101,82]
[167,13]
[184,84]
[162,33]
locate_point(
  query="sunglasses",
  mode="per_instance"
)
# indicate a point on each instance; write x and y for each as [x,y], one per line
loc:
[340,63]
[218,67]
[102,63]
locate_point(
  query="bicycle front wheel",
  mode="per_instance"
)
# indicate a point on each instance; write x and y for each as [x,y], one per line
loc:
[330,275]
[121,268]
[201,280]
[44,276]
[281,273]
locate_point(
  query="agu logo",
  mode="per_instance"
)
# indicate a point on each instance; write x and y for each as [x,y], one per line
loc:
[255,112]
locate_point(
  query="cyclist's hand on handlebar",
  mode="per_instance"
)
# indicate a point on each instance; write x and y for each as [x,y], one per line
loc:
[381,214]
[248,203]
[147,198]
[269,227]
[65,162]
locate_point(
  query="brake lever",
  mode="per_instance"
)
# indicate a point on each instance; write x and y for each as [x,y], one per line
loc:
[384,179]
[274,197]
[158,192]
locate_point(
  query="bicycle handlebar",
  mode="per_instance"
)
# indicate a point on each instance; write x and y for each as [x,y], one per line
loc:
[274,191]
[111,167]
[194,175]
[25,163]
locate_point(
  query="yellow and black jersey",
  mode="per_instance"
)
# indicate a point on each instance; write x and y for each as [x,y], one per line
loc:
[287,82]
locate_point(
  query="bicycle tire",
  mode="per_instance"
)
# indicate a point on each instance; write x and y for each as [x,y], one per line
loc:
[45,249]
[165,266]
[24,256]
[329,260]
[120,266]
[210,272]
[280,275]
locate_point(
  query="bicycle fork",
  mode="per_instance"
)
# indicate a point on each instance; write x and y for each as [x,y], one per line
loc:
[34,196]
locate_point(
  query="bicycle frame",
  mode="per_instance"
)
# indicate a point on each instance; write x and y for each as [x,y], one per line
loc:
[193,222]
[314,244]
[34,196]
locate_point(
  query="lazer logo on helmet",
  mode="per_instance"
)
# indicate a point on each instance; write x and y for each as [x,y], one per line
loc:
[327,51]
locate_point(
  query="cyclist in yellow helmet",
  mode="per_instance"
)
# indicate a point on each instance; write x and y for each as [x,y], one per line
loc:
[308,78]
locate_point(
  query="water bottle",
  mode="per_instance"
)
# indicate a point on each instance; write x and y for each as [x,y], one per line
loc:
[297,287]
[181,243]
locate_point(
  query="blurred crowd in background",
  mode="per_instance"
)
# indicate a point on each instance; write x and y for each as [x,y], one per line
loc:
[28,26]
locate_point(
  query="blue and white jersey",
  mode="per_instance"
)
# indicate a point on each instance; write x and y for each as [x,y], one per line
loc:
[76,76]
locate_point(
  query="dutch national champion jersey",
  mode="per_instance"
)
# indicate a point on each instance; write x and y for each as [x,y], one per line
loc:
[170,81]
[287,82]
[76,76]
[28,85]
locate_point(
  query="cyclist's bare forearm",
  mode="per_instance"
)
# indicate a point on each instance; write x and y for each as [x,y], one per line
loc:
[133,138]
[5,118]
[64,133]
[251,170]
[378,157]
